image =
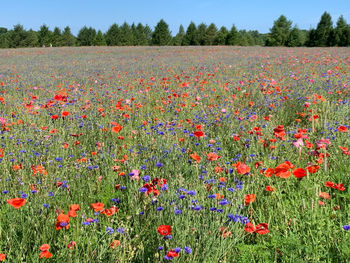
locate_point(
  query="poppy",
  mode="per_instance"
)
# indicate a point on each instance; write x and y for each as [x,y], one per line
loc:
[198,134]
[269,188]
[299,173]
[172,254]
[342,128]
[269,172]
[97,207]
[164,230]
[109,212]
[262,229]
[16,202]
[71,245]
[325,195]
[196,157]
[65,113]
[241,168]
[282,170]
[313,168]
[45,254]
[117,128]
[249,198]
[44,247]
[114,244]
[213,156]
[2,257]
[62,221]
[72,210]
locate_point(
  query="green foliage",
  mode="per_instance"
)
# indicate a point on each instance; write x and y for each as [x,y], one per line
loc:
[100,39]
[57,39]
[31,39]
[161,35]
[17,36]
[210,34]
[295,38]
[191,37]
[125,35]
[342,33]
[140,37]
[45,36]
[201,31]
[113,35]
[221,36]
[86,36]
[324,30]
[67,37]
[178,39]
[232,37]
[4,40]
[280,31]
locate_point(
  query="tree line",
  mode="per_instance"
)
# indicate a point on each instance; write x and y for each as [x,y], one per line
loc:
[282,33]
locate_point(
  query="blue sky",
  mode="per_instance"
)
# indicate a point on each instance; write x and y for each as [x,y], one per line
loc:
[245,14]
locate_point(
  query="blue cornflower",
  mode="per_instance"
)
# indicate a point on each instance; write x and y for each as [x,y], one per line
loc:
[346,227]
[109,230]
[120,230]
[146,178]
[177,249]
[188,250]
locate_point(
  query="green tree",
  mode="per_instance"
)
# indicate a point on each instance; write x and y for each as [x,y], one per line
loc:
[280,31]
[45,36]
[31,39]
[324,30]
[86,36]
[3,30]
[191,36]
[17,36]
[140,38]
[221,36]
[100,39]
[232,37]
[210,34]
[4,40]
[342,33]
[57,40]
[179,36]
[126,35]
[67,37]
[113,35]
[201,30]
[161,35]
[295,38]
[149,34]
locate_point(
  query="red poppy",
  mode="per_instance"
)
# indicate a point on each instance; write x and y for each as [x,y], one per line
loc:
[54,117]
[282,170]
[164,230]
[72,210]
[109,212]
[97,207]
[269,188]
[114,244]
[172,254]
[117,128]
[44,247]
[313,168]
[249,198]
[65,113]
[262,229]
[2,257]
[62,221]
[213,156]
[71,245]
[241,168]
[16,202]
[196,157]
[198,134]
[45,254]
[269,172]
[342,128]
[299,173]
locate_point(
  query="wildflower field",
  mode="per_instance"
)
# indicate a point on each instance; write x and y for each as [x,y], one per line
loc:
[183,154]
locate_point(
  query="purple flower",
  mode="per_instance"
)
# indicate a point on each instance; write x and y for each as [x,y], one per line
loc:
[188,250]
[346,227]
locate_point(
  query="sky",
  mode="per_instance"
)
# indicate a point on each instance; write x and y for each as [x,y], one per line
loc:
[101,14]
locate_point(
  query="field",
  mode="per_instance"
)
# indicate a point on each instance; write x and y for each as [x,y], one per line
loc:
[183,154]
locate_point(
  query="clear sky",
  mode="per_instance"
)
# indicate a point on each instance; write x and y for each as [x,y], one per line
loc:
[100,14]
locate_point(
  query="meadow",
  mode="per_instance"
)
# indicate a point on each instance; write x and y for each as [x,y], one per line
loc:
[183,154]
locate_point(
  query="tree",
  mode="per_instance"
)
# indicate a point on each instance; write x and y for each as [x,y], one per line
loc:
[100,39]
[178,39]
[323,30]
[86,36]
[149,34]
[67,37]
[191,36]
[280,31]
[295,38]
[4,40]
[221,36]
[232,37]
[57,40]
[31,39]
[201,30]
[161,35]
[210,34]
[3,30]
[126,36]
[45,36]
[342,33]
[140,38]
[113,35]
